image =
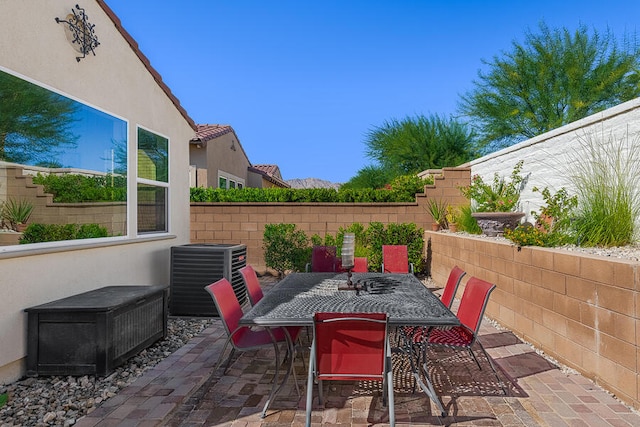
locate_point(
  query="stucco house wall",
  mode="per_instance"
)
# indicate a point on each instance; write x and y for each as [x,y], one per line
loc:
[116,80]
[216,151]
[549,158]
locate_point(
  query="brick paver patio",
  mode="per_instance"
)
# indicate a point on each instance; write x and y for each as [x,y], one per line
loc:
[528,390]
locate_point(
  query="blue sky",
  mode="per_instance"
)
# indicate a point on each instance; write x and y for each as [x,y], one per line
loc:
[303,82]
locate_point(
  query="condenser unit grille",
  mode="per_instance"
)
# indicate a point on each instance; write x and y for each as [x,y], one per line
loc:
[195,266]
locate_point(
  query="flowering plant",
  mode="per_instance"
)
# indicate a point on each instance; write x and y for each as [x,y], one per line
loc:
[501,195]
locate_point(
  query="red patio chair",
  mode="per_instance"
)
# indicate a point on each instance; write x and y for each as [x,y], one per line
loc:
[255,294]
[244,338]
[350,347]
[360,265]
[413,336]
[251,282]
[470,312]
[395,259]
[450,289]
[323,259]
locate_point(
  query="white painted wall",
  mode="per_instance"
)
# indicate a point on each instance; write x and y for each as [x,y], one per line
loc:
[548,157]
[114,80]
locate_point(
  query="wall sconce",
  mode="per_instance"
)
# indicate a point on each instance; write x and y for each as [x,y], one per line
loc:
[80,32]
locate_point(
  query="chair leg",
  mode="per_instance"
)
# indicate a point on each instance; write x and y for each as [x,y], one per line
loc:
[274,387]
[228,360]
[320,395]
[493,368]
[474,357]
[310,375]
[389,389]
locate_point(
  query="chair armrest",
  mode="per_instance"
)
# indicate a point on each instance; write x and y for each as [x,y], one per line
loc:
[411,267]
[307,268]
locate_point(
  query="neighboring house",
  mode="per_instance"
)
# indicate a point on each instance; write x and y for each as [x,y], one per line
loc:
[114,92]
[267,176]
[218,160]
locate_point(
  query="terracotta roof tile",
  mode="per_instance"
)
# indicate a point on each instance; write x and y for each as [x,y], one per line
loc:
[208,132]
[272,170]
[270,173]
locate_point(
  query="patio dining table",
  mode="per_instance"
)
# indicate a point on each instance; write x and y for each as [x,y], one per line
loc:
[294,300]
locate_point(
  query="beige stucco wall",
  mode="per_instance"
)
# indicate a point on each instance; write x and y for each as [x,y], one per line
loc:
[35,47]
[222,157]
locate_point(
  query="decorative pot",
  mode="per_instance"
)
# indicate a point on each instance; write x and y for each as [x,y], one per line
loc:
[435,226]
[494,223]
[453,227]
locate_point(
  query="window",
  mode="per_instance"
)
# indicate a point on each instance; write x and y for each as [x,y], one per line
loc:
[153,182]
[77,152]
[227,180]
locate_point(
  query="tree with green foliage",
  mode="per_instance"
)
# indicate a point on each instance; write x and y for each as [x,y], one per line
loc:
[553,78]
[34,122]
[417,143]
[369,177]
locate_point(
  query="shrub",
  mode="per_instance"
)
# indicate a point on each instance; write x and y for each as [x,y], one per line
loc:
[395,234]
[552,223]
[36,233]
[607,181]
[466,222]
[527,235]
[401,190]
[73,188]
[501,195]
[285,248]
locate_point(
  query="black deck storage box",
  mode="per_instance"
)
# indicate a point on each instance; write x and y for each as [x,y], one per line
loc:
[94,332]
[194,266]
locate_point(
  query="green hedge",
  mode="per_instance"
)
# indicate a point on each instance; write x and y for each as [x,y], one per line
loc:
[36,233]
[72,188]
[401,189]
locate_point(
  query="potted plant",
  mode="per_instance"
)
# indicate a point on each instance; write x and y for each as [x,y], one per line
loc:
[438,210]
[453,216]
[495,203]
[17,213]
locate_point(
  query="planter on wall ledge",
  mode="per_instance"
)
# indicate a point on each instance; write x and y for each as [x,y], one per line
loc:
[494,223]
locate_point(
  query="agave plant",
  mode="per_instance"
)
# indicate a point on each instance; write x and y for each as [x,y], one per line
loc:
[17,212]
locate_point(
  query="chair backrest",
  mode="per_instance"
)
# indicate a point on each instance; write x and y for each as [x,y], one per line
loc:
[395,259]
[350,346]
[474,302]
[360,265]
[449,293]
[323,259]
[254,291]
[227,305]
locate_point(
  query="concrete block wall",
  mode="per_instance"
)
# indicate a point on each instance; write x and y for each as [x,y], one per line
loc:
[580,309]
[244,222]
[550,157]
[21,187]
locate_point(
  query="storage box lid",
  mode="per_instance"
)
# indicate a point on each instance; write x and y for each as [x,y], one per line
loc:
[103,299]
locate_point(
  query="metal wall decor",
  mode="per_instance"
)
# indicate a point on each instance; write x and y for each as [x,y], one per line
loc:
[80,32]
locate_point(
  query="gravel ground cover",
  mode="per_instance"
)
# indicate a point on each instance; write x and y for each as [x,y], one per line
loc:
[60,401]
